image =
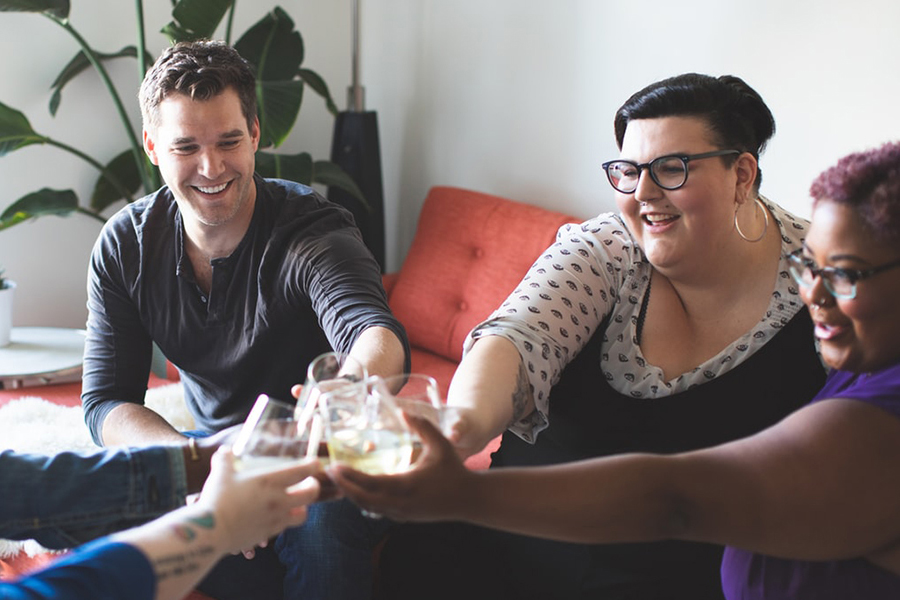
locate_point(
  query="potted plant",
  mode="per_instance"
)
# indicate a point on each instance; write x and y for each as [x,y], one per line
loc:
[7,289]
[271,45]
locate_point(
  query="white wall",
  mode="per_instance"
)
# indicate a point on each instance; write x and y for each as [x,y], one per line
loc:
[48,258]
[517,97]
[511,97]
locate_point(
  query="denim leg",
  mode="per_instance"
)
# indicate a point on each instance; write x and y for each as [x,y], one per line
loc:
[69,498]
[329,557]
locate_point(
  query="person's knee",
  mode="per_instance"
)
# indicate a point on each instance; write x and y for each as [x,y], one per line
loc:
[334,533]
[330,555]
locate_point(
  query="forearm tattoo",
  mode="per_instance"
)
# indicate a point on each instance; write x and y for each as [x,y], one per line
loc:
[185,532]
[520,395]
[180,563]
[176,564]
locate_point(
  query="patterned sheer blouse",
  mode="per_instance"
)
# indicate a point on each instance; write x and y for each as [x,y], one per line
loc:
[596,272]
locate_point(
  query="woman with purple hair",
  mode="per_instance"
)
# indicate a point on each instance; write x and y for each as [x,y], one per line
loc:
[807,507]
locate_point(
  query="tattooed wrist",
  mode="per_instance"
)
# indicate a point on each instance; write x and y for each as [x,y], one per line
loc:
[181,563]
[186,531]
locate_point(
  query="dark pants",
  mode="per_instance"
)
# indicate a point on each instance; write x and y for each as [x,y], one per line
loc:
[327,558]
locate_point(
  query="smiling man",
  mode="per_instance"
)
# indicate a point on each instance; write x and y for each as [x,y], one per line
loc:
[241,281]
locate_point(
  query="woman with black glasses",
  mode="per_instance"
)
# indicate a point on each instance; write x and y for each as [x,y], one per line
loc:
[671,326]
[807,507]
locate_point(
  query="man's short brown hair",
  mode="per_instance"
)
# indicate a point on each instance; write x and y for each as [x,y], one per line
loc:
[200,70]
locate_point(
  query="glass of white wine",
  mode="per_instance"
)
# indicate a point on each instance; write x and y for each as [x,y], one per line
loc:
[366,430]
[272,437]
[418,395]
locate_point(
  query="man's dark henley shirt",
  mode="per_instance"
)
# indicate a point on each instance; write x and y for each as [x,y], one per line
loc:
[300,283]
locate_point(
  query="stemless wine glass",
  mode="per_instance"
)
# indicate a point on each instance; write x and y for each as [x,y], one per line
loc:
[272,437]
[330,371]
[418,395]
[415,393]
[365,430]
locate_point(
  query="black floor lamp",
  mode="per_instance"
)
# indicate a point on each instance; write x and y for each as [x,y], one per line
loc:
[356,149]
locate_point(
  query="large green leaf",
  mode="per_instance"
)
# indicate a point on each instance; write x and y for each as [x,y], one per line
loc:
[15,219]
[125,170]
[56,8]
[78,64]
[315,81]
[195,19]
[331,174]
[15,130]
[294,167]
[279,105]
[37,204]
[272,46]
[276,51]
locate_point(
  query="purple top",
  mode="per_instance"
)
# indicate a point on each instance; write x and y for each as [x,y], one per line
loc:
[750,576]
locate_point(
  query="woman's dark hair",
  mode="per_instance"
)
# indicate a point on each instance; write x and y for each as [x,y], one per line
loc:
[869,183]
[736,115]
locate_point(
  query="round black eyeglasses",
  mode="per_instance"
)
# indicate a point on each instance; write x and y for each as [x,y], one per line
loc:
[669,172]
[840,283]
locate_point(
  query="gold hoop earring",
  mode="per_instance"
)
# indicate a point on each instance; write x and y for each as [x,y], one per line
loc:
[765,213]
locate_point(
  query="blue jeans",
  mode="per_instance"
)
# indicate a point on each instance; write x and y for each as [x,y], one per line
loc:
[329,557]
[67,499]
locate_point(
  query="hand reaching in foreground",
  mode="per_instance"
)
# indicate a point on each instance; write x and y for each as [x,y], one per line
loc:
[252,507]
[326,490]
[435,489]
[234,511]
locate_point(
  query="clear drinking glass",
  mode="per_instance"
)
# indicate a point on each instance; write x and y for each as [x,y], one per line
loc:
[272,437]
[416,394]
[329,372]
[365,430]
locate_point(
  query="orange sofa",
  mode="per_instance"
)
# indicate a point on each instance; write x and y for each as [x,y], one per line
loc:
[469,251]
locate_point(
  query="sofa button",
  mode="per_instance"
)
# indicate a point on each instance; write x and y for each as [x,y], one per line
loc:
[463,306]
[478,252]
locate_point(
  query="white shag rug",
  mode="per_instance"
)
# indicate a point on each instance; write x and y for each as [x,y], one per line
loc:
[32,424]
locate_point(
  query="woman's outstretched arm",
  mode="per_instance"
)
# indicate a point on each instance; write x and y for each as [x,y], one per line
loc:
[819,485]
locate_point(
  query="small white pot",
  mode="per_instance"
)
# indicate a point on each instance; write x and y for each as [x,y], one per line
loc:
[6,308]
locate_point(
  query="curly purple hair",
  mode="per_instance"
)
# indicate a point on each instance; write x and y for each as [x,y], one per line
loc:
[869,182]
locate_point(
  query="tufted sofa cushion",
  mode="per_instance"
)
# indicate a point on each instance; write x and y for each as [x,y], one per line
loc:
[469,252]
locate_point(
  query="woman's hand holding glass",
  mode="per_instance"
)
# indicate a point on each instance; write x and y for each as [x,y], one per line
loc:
[257,503]
[434,489]
[369,431]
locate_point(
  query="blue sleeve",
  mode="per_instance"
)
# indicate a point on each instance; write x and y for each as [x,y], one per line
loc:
[69,498]
[99,571]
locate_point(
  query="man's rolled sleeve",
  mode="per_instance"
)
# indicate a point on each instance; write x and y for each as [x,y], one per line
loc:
[343,281]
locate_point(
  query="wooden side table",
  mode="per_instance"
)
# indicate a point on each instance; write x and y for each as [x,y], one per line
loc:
[41,356]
